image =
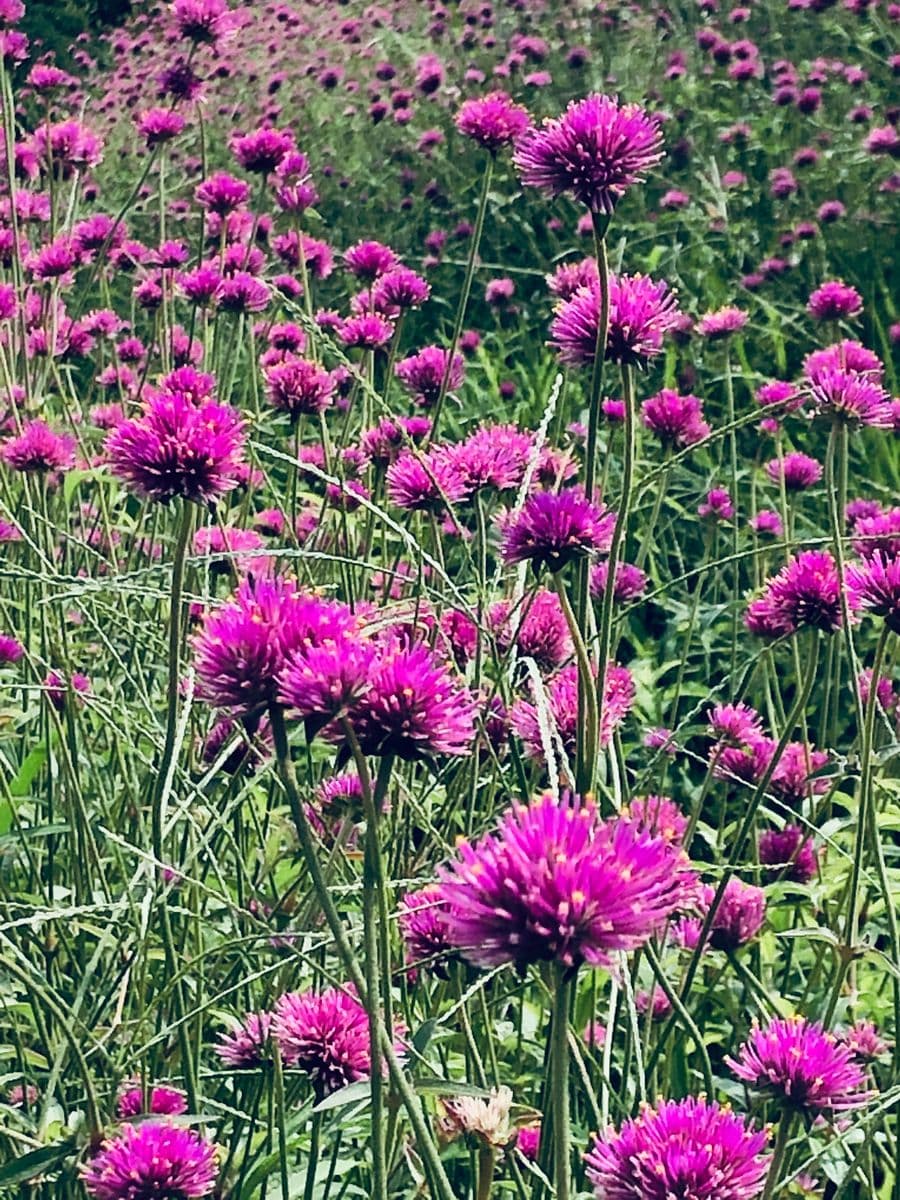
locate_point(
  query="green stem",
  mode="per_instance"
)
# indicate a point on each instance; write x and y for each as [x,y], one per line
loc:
[779,1155]
[464,297]
[559,1086]
[587,688]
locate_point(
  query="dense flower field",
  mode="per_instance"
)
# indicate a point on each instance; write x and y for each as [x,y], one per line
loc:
[450,601]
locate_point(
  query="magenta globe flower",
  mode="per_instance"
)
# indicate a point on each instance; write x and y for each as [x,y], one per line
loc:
[691,1149]
[421,920]
[493,121]
[247,1043]
[851,398]
[412,706]
[803,1066]
[874,586]
[324,1034]
[739,916]
[161,1101]
[675,419]
[37,450]
[835,301]
[721,324]
[805,594]
[556,883]
[798,471]
[152,1159]
[641,313]
[553,528]
[178,448]
[788,854]
[596,151]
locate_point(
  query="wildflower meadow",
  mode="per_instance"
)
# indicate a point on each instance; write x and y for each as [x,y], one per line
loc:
[450,601]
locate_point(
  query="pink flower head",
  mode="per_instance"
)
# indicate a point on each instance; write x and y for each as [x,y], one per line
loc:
[11,650]
[321,683]
[413,707]
[835,301]
[421,919]
[159,125]
[846,355]
[422,374]
[493,120]
[851,398]
[242,647]
[426,482]
[878,530]
[865,1041]
[222,193]
[641,312]
[596,150]
[874,586]
[58,688]
[325,1035]
[553,528]
[675,419]
[735,724]
[204,22]
[722,323]
[161,1101]
[261,151]
[368,260]
[556,883]
[689,1148]
[739,917]
[368,331]
[562,708]
[294,190]
[570,277]
[37,449]
[493,457]
[630,584]
[798,471]
[299,386]
[804,594]
[804,1067]
[177,448]
[246,1044]
[657,815]
[717,506]
[154,1158]
[788,854]
[528,1142]
[399,288]
[538,629]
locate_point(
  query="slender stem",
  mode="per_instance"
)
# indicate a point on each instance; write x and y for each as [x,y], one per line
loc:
[559,1087]
[587,687]
[607,608]
[424,1139]
[779,1156]
[600,224]
[735,500]
[487,1158]
[464,296]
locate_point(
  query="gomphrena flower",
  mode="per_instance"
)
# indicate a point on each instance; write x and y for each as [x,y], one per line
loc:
[178,448]
[835,301]
[561,697]
[553,528]
[802,1065]
[556,883]
[320,683]
[243,645]
[37,449]
[368,259]
[806,593]
[161,1101]
[874,586]
[641,312]
[691,1148]
[425,482]
[718,325]
[204,21]
[326,1035]
[798,471]
[851,398]
[846,355]
[420,919]
[630,583]
[246,1044]
[222,193]
[422,373]
[596,150]
[486,1120]
[657,815]
[675,419]
[412,706]
[538,629]
[262,150]
[788,854]
[155,1159]
[299,386]
[493,121]
[739,916]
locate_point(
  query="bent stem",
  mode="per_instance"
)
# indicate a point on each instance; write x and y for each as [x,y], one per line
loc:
[464,296]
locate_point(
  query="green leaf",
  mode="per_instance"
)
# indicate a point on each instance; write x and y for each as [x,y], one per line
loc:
[351,1094]
[20,785]
[35,1163]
